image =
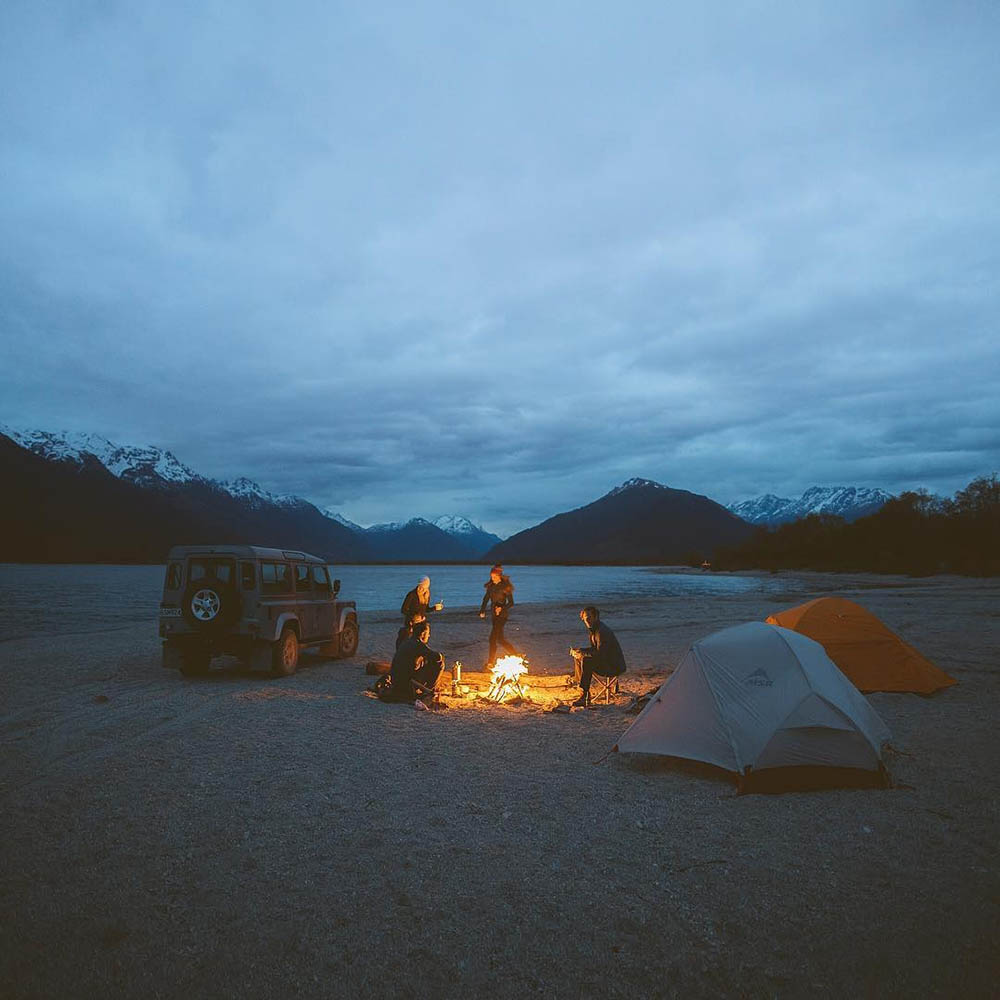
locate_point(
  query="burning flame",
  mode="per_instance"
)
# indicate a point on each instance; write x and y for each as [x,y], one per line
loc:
[505,677]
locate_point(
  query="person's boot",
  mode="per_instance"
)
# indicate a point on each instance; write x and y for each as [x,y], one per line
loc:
[583,701]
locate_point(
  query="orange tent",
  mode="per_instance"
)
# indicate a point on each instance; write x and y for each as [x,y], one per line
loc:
[872,656]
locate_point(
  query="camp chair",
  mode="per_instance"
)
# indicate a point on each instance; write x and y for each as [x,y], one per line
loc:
[601,686]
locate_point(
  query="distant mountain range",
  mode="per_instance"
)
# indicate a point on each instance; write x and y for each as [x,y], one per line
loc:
[848,502]
[638,522]
[79,497]
[419,539]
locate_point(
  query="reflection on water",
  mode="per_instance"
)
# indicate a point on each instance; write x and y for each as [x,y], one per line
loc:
[71,599]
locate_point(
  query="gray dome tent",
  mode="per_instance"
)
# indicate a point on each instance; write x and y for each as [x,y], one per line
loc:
[756,697]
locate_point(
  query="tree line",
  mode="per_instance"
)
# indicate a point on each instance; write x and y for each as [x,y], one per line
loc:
[916,533]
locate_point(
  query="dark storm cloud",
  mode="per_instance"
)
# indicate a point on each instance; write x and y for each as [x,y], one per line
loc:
[435,259]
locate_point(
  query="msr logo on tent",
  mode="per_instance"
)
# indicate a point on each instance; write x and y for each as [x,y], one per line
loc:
[759,679]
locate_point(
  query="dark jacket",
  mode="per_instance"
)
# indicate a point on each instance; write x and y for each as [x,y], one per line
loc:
[410,655]
[412,605]
[605,653]
[498,595]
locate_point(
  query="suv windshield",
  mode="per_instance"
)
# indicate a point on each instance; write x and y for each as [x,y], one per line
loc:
[200,568]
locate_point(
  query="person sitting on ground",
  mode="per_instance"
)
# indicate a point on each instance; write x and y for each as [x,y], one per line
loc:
[407,630]
[603,656]
[416,668]
[499,597]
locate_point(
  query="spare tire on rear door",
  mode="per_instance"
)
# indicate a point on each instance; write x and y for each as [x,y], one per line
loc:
[209,603]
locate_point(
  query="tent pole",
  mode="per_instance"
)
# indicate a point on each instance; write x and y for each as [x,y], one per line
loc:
[743,781]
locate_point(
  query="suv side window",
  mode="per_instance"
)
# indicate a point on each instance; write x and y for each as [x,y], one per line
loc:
[248,576]
[218,569]
[321,580]
[275,578]
[303,580]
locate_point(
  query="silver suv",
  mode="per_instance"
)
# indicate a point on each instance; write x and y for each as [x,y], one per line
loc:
[261,605]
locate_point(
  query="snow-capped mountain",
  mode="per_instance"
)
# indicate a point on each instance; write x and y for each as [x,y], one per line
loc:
[389,526]
[473,538]
[82,498]
[848,502]
[456,524]
[635,483]
[255,495]
[145,465]
[462,528]
[766,509]
[284,517]
[340,519]
[246,489]
[419,539]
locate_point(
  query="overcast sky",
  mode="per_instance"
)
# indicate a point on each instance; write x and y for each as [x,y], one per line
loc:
[494,259]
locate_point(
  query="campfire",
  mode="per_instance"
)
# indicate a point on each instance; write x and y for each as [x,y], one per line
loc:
[506,678]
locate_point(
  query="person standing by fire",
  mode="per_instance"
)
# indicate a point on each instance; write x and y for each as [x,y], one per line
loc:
[603,656]
[499,597]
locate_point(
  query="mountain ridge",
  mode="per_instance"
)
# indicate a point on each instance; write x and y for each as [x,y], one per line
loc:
[451,536]
[74,509]
[632,532]
[206,509]
[848,502]
[639,522]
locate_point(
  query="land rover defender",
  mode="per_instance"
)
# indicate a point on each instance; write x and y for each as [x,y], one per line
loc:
[258,604]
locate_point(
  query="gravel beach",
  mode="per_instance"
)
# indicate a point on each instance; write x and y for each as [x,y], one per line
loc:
[243,836]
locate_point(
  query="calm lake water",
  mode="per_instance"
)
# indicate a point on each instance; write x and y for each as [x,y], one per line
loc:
[78,599]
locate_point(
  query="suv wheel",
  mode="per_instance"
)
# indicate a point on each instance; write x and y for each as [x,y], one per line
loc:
[195,662]
[285,653]
[349,638]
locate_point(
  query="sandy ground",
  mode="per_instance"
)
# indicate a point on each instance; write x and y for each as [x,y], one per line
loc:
[245,837]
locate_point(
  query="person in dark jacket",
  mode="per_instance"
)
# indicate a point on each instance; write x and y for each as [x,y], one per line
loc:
[418,601]
[407,630]
[416,668]
[416,607]
[499,597]
[603,656]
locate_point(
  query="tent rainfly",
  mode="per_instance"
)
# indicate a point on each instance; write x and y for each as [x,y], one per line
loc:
[868,651]
[755,697]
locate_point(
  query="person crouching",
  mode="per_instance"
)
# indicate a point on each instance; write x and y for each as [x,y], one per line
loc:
[415,669]
[406,632]
[603,656]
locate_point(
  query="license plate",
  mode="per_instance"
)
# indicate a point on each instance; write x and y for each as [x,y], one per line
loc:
[170,612]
